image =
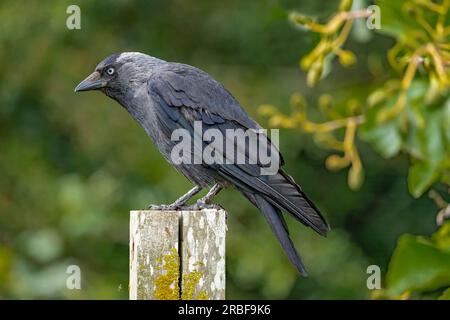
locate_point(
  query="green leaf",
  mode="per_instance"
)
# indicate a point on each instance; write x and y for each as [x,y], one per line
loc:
[442,237]
[417,265]
[385,139]
[432,138]
[446,120]
[434,150]
[421,176]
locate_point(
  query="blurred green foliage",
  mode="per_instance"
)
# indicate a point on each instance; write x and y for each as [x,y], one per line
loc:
[406,108]
[72,166]
[421,264]
[410,113]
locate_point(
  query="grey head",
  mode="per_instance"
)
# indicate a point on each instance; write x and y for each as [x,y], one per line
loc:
[119,73]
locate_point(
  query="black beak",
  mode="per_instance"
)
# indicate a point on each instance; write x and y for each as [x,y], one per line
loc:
[93,82]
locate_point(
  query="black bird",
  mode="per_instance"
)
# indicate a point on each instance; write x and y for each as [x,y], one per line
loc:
[164,96]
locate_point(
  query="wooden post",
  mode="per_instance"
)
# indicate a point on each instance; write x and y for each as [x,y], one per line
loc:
[177,254]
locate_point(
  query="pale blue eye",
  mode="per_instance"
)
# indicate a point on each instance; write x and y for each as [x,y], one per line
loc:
[110,71]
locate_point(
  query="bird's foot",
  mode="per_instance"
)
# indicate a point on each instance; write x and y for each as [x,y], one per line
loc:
[201,204]
[163,207]
[206,201]
[179,203]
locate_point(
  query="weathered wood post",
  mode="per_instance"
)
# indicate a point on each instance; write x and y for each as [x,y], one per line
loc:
[177,254]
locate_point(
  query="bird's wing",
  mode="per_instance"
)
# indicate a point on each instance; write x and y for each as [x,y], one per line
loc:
[185,94]
[182,85]
[201,98]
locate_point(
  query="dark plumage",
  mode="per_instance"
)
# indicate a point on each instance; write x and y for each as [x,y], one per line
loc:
[164,96]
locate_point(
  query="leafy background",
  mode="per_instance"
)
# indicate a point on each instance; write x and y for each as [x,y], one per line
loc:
[73,165]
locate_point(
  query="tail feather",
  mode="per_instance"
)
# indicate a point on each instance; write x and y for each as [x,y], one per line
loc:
[282,192]
[289,197]
[274,194]
[278,225]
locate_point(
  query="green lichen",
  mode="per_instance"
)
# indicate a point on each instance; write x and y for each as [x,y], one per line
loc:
[189,282]
[166,285]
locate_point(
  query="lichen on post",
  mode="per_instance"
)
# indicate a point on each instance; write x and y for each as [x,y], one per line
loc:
[177,254]
[203,254]
[154,259]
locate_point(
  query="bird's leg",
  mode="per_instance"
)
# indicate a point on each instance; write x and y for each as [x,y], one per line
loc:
[205,202]
[179,202]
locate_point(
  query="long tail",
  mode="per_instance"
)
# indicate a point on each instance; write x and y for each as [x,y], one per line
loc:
[278,225]
[274,194]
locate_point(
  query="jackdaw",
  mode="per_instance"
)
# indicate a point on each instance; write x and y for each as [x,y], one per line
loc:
[165,96]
